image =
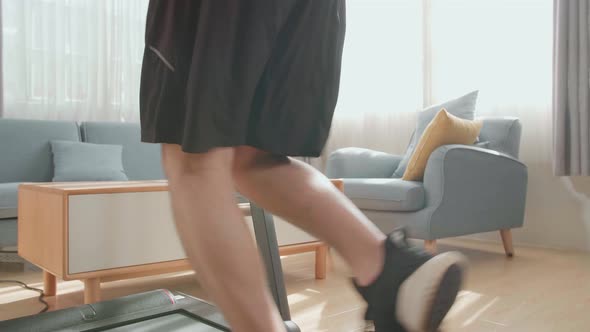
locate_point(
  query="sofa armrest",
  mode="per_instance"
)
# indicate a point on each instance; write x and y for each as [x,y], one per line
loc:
[361,163]
[471,190]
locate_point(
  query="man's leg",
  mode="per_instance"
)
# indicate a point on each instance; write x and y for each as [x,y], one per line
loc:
[216,238]
[402,286]
[302,195]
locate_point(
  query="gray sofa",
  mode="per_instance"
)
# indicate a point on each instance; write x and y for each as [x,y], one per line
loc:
[27,157]
[466,189]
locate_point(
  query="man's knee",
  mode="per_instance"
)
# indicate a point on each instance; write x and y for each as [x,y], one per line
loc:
[247,158]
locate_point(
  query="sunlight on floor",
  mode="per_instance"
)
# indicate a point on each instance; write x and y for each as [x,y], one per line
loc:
[296,298]
[465,299]
[479,312]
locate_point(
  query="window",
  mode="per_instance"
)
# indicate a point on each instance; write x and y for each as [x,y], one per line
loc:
[73,59]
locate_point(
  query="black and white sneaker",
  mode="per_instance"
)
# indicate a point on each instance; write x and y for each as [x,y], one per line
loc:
[415,290]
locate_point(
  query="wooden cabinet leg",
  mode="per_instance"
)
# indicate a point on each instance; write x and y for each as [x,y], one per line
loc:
[338,183]
[91,290]
[506,235]
[49,284]
[321,261]
[430,246]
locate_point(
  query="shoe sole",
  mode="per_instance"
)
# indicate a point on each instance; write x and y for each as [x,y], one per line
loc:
[426,297]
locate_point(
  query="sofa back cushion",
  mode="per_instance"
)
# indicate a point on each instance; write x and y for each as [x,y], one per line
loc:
[141,161]
[462,107]
[25,150]
[444,129]
[502,134]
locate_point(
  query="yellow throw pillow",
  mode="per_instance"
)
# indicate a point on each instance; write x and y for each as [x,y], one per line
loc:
[444,129]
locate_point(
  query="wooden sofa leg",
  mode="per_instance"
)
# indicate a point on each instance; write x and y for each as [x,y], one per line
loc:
[430,246]
[321,261]
[506,235]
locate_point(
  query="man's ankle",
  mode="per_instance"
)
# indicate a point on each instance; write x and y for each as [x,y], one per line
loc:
[368,272]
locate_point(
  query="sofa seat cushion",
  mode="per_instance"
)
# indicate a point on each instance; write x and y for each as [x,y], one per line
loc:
[385,194]
[8,200]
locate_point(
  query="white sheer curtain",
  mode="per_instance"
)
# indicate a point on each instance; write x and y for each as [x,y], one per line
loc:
[81,59]
[382,76]
[401,55]
[504,49]
[72,59]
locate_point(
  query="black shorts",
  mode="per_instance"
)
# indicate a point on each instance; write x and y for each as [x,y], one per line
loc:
[263,73]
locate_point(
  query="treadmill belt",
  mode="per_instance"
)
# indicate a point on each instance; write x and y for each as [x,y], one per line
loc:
[172,323]
[159,310]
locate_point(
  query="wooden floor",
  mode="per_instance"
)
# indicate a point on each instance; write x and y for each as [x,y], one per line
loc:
[539,290]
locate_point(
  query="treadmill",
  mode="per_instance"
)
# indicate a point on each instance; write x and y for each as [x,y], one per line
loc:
[163,310]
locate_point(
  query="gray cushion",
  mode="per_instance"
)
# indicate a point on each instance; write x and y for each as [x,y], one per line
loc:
[462,107]
[77,161]
[25,151]
[385,194]
[8,200]
[140,160]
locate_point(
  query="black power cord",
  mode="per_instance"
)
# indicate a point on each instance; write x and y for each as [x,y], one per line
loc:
[25,286]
